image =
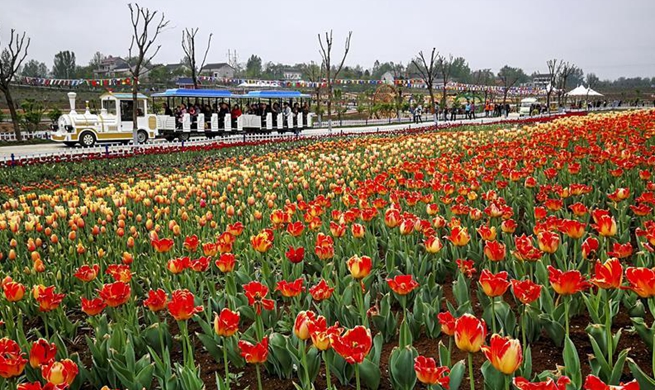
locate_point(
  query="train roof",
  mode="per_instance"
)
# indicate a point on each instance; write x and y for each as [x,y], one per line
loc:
[122,95]
[274,95]
[199,93]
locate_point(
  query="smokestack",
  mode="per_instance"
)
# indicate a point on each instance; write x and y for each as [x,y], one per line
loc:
[71,100]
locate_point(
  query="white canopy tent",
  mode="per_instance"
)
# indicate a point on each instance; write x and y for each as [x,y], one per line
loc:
[581,91]
[259,84]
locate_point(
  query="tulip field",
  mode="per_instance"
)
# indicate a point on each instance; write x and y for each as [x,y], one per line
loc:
[489,257]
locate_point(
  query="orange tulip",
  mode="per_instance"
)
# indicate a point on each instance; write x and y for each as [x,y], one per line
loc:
[87,273]
[93,307]
[14,291]
[493,285]
[182,305]
[226,262]
[263,241]
[300,326]
[42,352]
[353,345]
[290,289]
[115,294]
[254,354]
[568,282]
[162,245]
[526,291]
[605,223]
[487,233]
[572,228]
[432,244]
[494,250]
[459,236]
[12,361]
[447,322]
[402,284]
[470,333]
[321,291]
[47,298]
[60,372]
[360,267]
[428,373]
[504,354]
[226,324]
[608,275]
[548,241]
[642,281]
[156,301]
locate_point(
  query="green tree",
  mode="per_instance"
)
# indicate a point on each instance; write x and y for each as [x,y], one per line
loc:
[96,60]
[509,77]
[460,70]
[34,68]
[254,66]
[64,65]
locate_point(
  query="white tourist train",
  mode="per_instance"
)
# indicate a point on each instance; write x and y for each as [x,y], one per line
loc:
[182,113]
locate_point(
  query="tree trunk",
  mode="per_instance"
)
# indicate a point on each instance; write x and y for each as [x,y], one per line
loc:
[194,76]
[135,127]
[505,95]
[329,106]
[548,101]
[14,114]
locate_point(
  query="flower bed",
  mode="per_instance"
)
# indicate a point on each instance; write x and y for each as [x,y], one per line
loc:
[446,259]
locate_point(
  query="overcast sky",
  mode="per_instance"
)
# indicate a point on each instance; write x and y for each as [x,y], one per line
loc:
[610,38]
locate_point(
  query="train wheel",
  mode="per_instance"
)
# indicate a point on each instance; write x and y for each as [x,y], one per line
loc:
[184,136]
[141,137]
[87,139]
[170,137]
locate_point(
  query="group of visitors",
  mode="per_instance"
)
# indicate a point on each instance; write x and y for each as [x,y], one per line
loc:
[261,109]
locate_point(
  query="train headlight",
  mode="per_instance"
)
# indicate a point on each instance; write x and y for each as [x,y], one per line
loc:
[69,128]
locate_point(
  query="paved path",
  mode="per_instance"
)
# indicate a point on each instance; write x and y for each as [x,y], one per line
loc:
[56,148]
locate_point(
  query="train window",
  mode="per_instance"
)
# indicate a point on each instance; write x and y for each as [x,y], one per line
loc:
[110,106]
[127,108]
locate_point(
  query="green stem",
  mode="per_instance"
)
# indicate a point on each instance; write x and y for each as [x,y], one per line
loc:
[303,356]
[357,376]
[360,297]
[470,358]
[523,326]
[566,314]
[225,361]
[161,338]
[608,329]
[327,371]
[259,327]
[493,314]
[507,381]
[259,377]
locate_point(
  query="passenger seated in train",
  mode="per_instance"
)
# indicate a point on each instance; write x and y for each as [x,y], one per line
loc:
[287,115]
[194,117]
[224,110]
[167,110]
[305,110]
[264,111]
[179,115]
[296,110]
[276,110]
[236,112]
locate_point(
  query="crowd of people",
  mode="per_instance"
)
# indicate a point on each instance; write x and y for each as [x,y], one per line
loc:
[261,109]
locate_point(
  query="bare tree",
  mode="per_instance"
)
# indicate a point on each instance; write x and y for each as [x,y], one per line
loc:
[10,61]
[314,73]
[509,76]
[566,72]
[189,47]
[145,33]
[428,70]
[446,70]
[326,55]
[554,69]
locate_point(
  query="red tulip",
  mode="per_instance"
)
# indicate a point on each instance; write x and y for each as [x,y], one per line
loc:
[182,305]
[466,267]
[428,373]
[621,250]
[47,298]
[235,229]
[642,281]
[295,228]
[402,284]
[579,209]
[321,291]
[568,282]
[115,294]
[360,267]
[357,230]
[191,243]
[493,285]
[487,233]
[523,384]
[321,334]
[432,244]
[459,236]
[226,324]
[392,218]
[226,262]
[14,291]
[12,361]
[290,289]
[594,383]
[589,246]
[87,273]
[42,352]
[494,250]
[572,228]
[156,300]
[59,372]
[605,223]
[526,291]
[47,386]
[295,255]
[548,241]
[608,275]
[300,326]
[254,354]
[619,195]
[525,250]
[263,241]
[162,246]
[93,307]
[256,294]
[201,264]
[353,345]
[178,265]
[504,353]
[470,333]
[119,272]
[509,226]
[447,322]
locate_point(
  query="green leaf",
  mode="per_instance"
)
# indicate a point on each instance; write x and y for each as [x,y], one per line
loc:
[444,355]
[572,363]
[370,374]
[617,371]
[645,382]
[493,379]
[401,367]
[457,374]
